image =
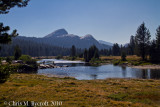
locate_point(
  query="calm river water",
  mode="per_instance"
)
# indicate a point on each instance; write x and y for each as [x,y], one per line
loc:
[82,71]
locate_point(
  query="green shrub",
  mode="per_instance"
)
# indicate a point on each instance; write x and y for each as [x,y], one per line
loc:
[25,58]
[4,75]
[116,62]
[33,64]
[9,59]
[30,64]
[5,71]
[27,68]
[95,60]
[59,57]
[72,58]
[135,63]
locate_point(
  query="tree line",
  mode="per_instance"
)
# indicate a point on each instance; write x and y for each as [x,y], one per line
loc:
[140,45]
[32,48]
[87,54]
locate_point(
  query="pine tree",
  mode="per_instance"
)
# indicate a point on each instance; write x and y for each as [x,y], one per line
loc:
[158,43]
[116,50]
[131,45]
[4,36]
[96,54]
[5,6]
[85,55]
[153,52]
[73,51]
[93,52]
[17,52]
[110,52]
[142,39]
[155,48]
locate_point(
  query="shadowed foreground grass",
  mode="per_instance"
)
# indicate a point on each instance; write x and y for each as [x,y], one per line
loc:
[76,93]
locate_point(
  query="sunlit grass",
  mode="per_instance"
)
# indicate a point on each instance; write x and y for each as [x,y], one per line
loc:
[75,93]
[129,57]
[131,60]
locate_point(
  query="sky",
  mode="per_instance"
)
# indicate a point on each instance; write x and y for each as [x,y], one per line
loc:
[109,20]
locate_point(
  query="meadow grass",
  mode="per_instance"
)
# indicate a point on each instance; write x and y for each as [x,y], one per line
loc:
[81,93]
[131,60]
[129,57]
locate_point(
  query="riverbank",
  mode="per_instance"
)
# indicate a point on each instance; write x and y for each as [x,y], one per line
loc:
[56,76]
[131,61]
[147,67]
[109,92]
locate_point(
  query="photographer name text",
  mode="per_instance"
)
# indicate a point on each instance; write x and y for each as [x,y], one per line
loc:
[33,103]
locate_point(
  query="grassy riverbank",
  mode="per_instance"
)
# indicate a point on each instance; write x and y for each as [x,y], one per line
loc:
[76,93]
[132,61]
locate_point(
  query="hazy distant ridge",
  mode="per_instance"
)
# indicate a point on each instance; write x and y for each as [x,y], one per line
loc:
[106,43]
[62,38]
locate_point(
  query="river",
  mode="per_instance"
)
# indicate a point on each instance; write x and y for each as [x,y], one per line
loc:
[83,71]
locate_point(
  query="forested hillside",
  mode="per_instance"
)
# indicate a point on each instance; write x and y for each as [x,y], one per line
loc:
[32,48]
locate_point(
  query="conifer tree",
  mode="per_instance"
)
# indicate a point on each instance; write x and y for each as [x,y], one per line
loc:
[85,55]
[131,45]
[73,51]
[116,50]
[153,52]
[4,36]
[17,52]
[5,6]
[142,39]
[158,43]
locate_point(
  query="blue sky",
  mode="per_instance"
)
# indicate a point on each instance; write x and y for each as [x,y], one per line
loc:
[110,20]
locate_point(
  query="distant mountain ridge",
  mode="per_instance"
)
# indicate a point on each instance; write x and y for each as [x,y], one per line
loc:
[62,38]
[106,43]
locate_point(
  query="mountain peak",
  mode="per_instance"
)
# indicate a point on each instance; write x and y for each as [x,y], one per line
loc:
[59,32]
[88,36]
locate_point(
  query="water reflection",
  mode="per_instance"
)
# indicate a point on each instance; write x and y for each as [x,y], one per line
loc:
[93,76]
[146,73]
[123,71]
[155,74]
[123,68]
[84,71]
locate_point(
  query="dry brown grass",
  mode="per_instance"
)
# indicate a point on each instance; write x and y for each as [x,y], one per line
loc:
[84,93]
[129,57]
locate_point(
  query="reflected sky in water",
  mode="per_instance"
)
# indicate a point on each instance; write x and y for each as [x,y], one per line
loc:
[85,72]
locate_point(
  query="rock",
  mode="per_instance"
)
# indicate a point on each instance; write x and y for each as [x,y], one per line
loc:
[65,66]
[43,66]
